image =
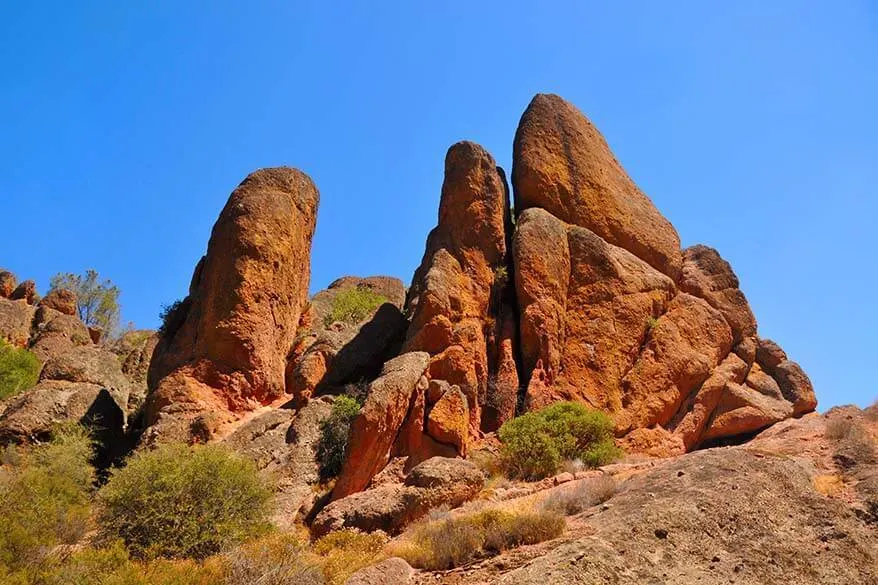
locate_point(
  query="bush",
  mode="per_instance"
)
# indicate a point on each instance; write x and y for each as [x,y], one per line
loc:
[172,317]
[45,494]
[343,553]
[535,444]
[19,370]
[573,499]
[178,501]
[275,559]
[449,543]
[335,433]
[352,305]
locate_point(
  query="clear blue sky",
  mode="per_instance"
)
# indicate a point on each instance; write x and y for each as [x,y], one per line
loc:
[125,125]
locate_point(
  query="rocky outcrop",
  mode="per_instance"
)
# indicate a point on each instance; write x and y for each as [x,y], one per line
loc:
[375,430]
[16,318]
[134,350]
[8,282]
[391,507]
[715,516]
[283,442]
[613,314]
[392,571]
[61,300]
[461,303]
[26,291]
[562,164]
[224,349]
[329,353]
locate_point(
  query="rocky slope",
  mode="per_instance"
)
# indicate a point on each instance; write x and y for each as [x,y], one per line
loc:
[572,286]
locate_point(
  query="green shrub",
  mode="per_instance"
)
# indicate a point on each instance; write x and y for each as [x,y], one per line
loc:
[178,501]
[19,370]
[535,444]
[457,540]
[352,305]
[45,498]
[172,317]
[335,432]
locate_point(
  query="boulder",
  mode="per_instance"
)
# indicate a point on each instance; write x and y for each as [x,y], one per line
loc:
[8,282]
[796,387]
[61,300]
[55,333]
[134,350]
[33,414]
[437,482]
[227,343]
[283,442]
[392,571]
[706,275]
[89,365]
[448,420]
[713,517]
[562,164]
[16,318]
[374,431]
[335,353]
[26,291]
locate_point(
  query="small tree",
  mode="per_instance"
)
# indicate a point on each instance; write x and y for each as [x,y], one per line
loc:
[335,433]
[97,302]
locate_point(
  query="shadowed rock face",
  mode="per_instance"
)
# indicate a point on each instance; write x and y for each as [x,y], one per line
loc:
[328,355]
[227,352]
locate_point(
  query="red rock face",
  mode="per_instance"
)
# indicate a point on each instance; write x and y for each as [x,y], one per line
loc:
[562,164]
[613,314]
[459,300]
[232,338]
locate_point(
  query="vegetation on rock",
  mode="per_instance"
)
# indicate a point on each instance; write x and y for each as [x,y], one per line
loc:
[97,302]
[178,501]
[335,433]
[352,305]
[19,369]
[45,493]
[535,444]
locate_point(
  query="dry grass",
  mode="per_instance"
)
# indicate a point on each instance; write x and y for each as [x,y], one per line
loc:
[458,540]
[276,559]
[573,499]
[838,427]
[340,554]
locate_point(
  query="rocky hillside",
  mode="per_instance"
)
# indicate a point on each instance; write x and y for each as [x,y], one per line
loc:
[570,286]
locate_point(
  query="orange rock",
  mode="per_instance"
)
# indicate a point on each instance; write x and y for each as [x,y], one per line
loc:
[7,283]
[374,431]
[586,305]
[60,299]
[458,290]
[694,416]
[26,291]
[654,441]
[448,420]
[683,348]
[562,164]
[246,296]
[708,276]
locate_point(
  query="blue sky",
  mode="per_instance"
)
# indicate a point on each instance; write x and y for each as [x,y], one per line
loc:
[752,126]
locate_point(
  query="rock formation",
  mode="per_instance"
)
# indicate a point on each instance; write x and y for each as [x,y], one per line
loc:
[224,350]
[329,353]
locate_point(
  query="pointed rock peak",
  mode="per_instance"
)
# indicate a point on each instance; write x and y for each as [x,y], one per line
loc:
[563,164]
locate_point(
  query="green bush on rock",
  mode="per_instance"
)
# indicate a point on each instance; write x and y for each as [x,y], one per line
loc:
[19,370]
[334,435]
[352,305]
[535,444]
[178,501]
